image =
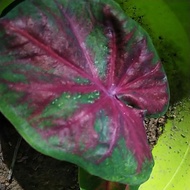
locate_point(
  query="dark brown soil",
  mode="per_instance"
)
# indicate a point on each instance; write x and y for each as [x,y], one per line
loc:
[154,128]
[33,170]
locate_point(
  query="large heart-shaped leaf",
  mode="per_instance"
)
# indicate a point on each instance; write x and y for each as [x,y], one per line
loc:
[76,80]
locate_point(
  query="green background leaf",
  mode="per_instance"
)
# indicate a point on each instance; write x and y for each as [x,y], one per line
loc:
[4,4]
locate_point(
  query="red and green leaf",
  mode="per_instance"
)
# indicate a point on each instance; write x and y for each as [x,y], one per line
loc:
[77,79]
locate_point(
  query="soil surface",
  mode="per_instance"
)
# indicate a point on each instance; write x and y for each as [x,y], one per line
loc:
[33,170]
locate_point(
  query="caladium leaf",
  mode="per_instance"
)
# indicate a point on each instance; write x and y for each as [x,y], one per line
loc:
[76,80]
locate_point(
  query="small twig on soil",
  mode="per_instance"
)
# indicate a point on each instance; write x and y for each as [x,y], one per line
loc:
[10,174]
